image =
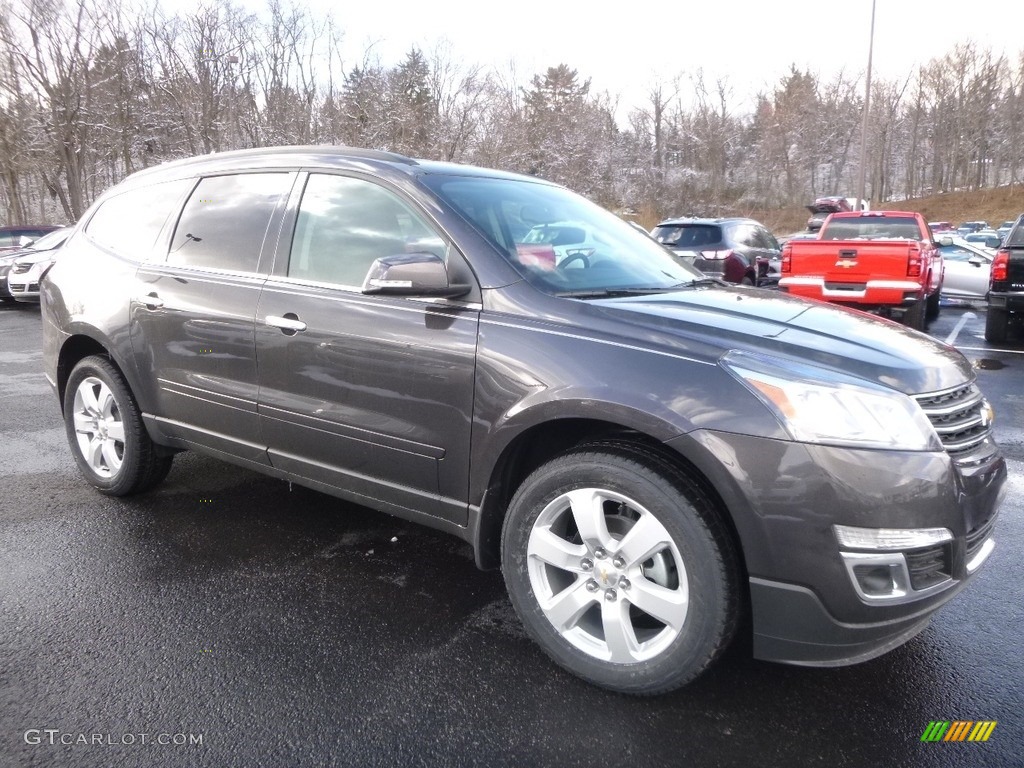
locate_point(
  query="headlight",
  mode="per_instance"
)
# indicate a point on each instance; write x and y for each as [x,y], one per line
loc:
[820,406]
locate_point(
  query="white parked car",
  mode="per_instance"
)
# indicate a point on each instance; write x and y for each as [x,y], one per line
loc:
[571,241]
[27,269]
[967,269]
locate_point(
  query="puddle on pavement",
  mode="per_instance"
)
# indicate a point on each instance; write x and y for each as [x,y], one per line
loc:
[988,364]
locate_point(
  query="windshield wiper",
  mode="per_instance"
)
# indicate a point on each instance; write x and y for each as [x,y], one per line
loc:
[611,293]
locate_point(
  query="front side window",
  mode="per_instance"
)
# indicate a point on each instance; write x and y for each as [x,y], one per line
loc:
[225,221]
[345,223]
[129,223]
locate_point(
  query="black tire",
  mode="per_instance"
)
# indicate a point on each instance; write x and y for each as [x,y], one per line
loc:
[914,317]
[933,306]
[117,467]
[691,555]
[996,322]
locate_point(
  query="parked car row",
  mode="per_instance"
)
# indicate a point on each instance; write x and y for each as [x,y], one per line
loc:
[21,269]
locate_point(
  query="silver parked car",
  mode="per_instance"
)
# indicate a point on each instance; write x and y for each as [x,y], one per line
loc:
[967,269]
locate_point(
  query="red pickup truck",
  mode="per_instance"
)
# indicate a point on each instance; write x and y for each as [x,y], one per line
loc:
[881,261]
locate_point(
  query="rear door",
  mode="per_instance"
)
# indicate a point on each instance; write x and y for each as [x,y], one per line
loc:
[370,395]
[193,315]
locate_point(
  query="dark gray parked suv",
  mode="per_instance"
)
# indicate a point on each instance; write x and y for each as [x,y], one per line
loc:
[649,456]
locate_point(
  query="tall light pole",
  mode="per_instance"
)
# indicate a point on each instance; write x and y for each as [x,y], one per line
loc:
[864,121]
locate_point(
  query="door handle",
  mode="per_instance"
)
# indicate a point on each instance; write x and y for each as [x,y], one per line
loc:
[152,301]
[290,323]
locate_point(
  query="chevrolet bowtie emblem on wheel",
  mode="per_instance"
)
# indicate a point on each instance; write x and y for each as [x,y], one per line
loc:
[604,576]
[846,263]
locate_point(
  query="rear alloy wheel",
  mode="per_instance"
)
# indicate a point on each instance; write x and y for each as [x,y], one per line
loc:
[621,570]
[105,430]
[996,322]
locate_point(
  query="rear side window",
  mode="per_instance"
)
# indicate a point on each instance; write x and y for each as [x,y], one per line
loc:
[129,223]
[344,224]
[225,221]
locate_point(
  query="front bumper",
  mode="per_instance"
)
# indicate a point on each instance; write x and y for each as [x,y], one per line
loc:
[785,500]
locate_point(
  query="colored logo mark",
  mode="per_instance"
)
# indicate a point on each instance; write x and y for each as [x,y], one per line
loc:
[958,730]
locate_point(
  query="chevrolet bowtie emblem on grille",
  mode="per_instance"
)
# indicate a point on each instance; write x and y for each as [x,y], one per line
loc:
[847,263]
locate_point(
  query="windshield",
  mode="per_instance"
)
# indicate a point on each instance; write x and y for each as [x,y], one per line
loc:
[873,228]
[532,224]
[688,235]
[50,241]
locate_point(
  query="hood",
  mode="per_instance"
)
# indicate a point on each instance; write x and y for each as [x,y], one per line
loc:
[710,322]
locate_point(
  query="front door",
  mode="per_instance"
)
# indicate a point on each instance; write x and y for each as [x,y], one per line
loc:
[370,395]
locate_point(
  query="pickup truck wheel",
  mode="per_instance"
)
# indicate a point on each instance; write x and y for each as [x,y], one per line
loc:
[914,317]
[933,306]
[620,569]
[105,430]
[996,322]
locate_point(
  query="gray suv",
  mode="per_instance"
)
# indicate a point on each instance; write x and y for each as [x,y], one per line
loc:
[653,459]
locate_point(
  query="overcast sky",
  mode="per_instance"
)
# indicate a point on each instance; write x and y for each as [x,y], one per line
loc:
[624,47]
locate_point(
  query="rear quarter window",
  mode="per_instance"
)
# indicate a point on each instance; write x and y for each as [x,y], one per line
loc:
[128,224]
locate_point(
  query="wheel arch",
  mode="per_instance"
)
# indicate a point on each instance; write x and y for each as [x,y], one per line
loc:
[74,349]
[543,441]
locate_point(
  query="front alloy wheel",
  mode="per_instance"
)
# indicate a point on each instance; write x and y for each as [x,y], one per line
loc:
[607,575]
[621,568]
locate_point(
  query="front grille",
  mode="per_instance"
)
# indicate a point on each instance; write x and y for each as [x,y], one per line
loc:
[977,536]
[960,416]
[928,566]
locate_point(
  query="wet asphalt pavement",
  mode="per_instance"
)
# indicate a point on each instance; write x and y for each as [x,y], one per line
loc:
[281,627]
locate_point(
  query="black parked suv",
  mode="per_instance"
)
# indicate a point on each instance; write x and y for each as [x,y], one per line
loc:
[648,455]
[738,250]
[1006,284]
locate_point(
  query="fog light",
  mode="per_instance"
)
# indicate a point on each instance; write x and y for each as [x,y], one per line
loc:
[875,580]
[879,576]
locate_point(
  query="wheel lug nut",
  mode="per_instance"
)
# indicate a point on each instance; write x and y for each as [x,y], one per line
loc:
[623,583]
[593,586]
[609,595]
[587,564]
[600,554]
[618,562]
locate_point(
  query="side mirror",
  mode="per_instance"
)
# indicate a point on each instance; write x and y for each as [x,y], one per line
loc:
[977,261]
[411,274]
[993,242]
[24,241]
[945,240]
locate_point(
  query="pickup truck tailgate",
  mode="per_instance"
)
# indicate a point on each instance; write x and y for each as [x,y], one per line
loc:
[858,271]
